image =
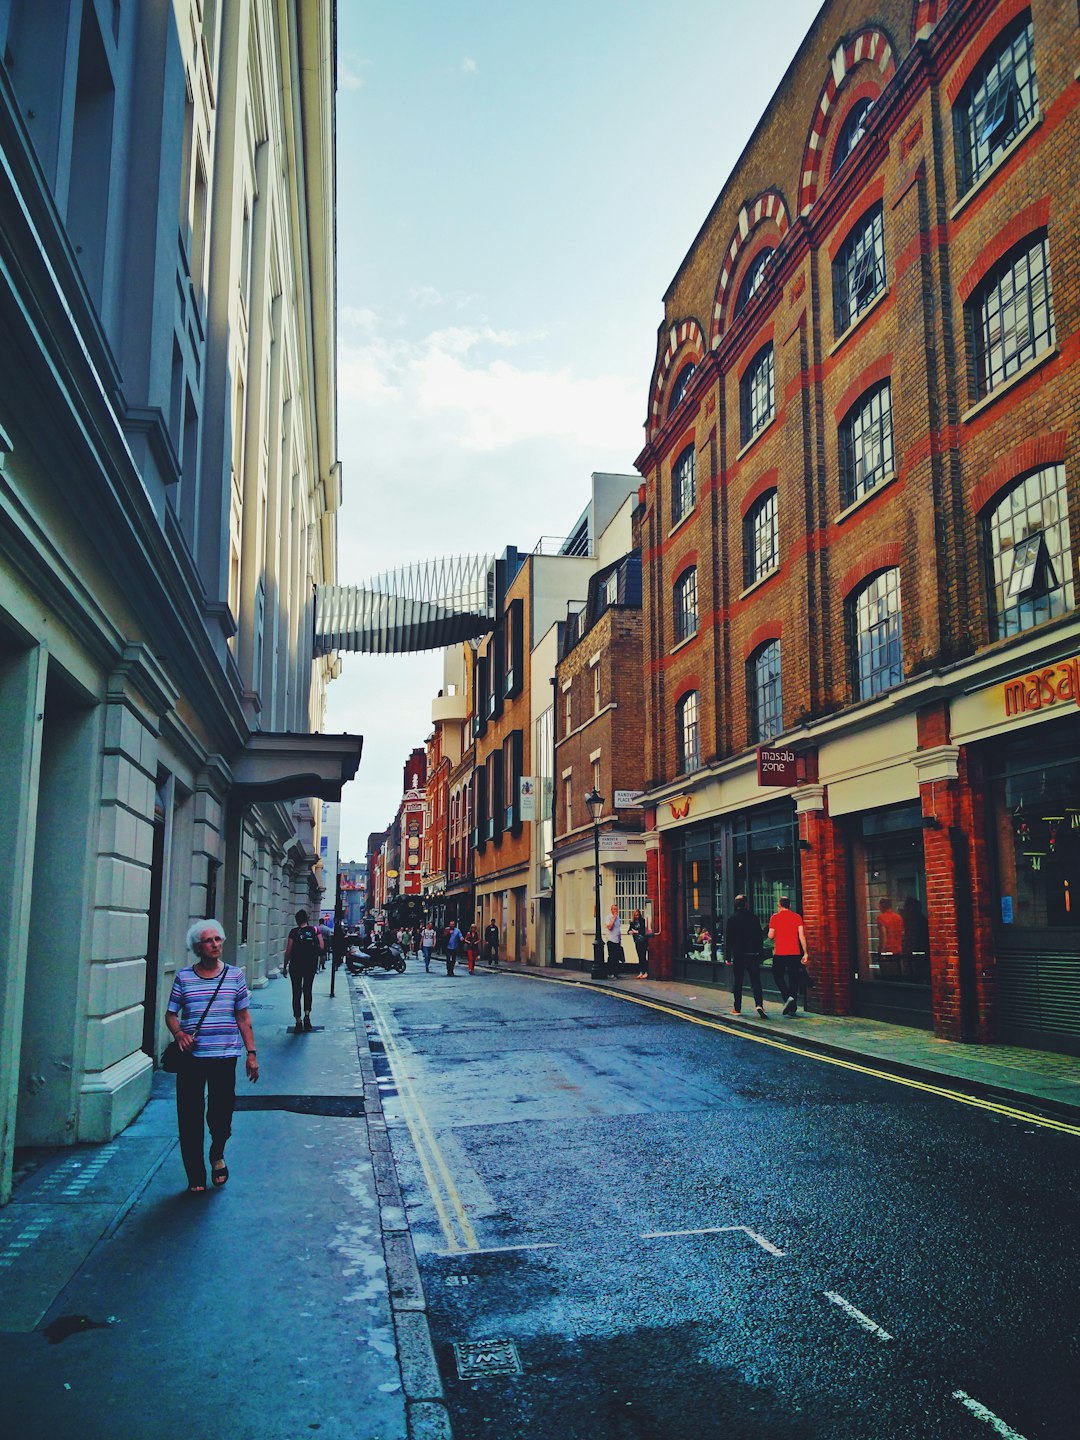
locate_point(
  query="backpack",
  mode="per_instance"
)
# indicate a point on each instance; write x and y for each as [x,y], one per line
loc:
[305,945]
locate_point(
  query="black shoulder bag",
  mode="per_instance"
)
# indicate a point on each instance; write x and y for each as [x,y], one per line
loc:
[172,1056]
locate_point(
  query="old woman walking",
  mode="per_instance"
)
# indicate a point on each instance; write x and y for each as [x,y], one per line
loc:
[209,1019]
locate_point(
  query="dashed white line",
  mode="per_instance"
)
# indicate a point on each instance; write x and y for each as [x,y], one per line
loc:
[857,1315]
[717,1230]
[982,1413]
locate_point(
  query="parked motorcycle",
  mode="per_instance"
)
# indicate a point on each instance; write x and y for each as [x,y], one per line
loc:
[380,956]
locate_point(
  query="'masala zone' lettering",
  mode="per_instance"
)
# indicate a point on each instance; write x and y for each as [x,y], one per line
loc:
[1043,687]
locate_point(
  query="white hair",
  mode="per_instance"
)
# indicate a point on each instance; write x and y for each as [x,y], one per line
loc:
[198,930]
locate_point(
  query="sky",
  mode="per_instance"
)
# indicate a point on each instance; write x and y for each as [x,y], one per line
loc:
[517,186]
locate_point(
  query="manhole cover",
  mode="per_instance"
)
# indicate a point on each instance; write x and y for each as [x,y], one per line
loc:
[480,1358]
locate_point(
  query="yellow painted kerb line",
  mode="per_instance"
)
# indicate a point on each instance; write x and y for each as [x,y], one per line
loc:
[448,1204]
[994,1106]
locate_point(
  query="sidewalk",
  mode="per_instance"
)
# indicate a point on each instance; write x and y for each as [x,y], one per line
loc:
[1038,1079]
[287,1303]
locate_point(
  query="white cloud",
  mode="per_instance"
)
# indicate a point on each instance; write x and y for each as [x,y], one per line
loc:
[470,67]
[348,71]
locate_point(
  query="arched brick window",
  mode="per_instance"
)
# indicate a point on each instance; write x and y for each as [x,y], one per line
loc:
[688,733]
[1010,315]
[764,693]
[875,635]
[685,604]
[997,102]
[1027,552]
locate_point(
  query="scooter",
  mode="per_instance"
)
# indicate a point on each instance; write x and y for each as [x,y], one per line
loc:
[383,955]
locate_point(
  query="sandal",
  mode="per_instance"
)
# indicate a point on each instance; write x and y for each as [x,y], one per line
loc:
[219,1174]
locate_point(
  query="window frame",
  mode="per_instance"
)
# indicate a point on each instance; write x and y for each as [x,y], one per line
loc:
[762,366]
[851,132]
[1037,601]
[683,483]
[852,432]
[754,279]
[680,385]
[861,255]
[978,148]
[763,517]
[992,366]
[688,732]
[764,692]
[870,679]
[685,605]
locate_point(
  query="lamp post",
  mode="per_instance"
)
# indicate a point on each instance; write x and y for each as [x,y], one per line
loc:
[595,803]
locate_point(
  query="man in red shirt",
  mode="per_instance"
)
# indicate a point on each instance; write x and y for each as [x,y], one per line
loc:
[789,952]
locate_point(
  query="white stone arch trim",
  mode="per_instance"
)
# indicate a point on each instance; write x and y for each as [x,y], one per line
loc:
[686,341]
[868,45]
[769,206]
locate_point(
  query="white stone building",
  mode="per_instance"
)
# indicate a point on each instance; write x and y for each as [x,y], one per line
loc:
[168,495]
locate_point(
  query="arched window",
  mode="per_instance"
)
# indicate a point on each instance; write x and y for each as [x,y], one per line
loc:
[753,280]
[678,390]
[761,539]
[859,269]
[866,444]
[1011,316]
[757,394]
[686,605]
[686,714]
[875,637]
[998,101]
[683,485]
[854,128]
[764,693]
[1028,558]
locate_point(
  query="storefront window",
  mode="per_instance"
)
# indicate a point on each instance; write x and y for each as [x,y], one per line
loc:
[763,855]
[699,942]
[891,929]
[1037,820]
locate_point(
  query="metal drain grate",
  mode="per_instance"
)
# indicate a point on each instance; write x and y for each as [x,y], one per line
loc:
[477,1359]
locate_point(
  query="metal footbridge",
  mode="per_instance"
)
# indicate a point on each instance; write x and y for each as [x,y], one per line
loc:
[424,606]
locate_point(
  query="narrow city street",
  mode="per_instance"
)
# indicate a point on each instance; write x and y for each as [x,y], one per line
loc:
[630,1224]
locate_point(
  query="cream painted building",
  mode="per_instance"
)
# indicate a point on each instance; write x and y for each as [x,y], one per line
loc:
[169,489]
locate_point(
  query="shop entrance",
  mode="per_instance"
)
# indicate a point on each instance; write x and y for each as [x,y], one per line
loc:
[891,946]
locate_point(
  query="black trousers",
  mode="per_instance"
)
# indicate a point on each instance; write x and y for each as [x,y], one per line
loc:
[211,1083]
[641,945]
[785,969]
[302,977]
[745,965]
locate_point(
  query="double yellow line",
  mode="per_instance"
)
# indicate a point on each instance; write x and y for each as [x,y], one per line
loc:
[456,1226]
[995,1107]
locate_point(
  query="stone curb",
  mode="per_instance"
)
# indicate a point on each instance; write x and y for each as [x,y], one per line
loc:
[426,1414]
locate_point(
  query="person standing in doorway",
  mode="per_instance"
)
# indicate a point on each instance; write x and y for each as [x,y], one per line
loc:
[209,1019]
[743,941]
[789,952]
[303,950]
[427,943]
[614,942]
[491,944]
[639,932]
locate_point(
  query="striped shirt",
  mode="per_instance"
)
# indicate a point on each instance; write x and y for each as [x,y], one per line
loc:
[220,1036]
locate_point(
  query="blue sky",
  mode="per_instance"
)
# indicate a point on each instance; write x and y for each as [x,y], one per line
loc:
[517,185]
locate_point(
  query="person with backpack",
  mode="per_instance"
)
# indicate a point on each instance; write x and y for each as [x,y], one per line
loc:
[303,950]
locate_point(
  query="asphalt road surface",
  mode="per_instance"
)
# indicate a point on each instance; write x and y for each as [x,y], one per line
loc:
[632,1225]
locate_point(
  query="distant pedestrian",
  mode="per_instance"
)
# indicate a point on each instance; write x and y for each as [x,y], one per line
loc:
[210,997]
[614,942]
[326,935]
[427,944]
[303,949]
[491,944]
[455,943]
[743,942]
[640,934]
[789,952]
[472,946]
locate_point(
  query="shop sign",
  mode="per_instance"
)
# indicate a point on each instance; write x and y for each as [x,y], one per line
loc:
[680,806]
[527,798]
[1040,688]
[777,766]
[624,799]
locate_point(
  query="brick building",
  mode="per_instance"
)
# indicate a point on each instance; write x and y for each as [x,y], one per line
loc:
[861,491]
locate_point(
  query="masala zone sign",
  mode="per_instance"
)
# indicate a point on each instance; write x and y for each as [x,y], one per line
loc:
[777,765]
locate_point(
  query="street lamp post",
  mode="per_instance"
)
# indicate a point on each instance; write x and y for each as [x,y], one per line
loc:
[595,803]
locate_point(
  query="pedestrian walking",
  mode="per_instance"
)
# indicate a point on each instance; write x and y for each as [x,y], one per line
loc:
[326,935]
[302,951]
[491,944]
[789,952]
[427,943]
[208,1017]
[743,941]
[640,934]
[614,942]
[455,942]
[472,946]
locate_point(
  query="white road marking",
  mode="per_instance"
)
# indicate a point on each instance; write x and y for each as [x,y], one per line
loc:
[863,1320]
[717,1230]
[982,1413]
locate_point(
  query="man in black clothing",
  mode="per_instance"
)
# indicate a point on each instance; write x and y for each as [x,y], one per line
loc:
[743,941]
[491,943]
